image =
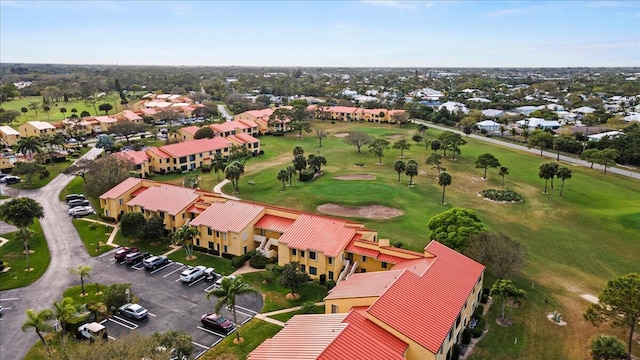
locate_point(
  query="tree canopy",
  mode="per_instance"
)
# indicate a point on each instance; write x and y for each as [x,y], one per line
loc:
[501,255]
[292,278]
[21,212]
[454,227]
[106,172]
[485,161]
[358,139]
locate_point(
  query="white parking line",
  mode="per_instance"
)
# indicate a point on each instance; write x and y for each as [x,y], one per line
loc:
[202,346]
[211,331]
[196,281]
[200,354]
[138,266]
[122,322]
[150,314]
[7,308]
[111,337]
[217,342]
[9,299]
[244,313]
[158,269]
[246,320]
[209,288]
[178,269]
[247,310]
[108,253]
[112,259]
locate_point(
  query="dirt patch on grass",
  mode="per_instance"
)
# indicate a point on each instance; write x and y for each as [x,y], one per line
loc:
[395,136]
[341,135]
[379,212]
[590,298]
[356,177]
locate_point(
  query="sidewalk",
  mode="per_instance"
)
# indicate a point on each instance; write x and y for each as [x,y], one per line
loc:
[113,234]
[266,316]
[218,190]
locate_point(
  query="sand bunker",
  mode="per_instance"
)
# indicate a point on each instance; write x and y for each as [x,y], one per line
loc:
[356,177]
[369,212]
[341,135]
[396,136]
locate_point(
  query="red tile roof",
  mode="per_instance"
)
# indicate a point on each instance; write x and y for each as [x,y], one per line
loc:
[326,235]
[363,339]
[158,152]
[187,148]
[357,246]
[304,338]
[139,191]
[130,115]
[191,130]
[194,209]
[436,298]
[224,127]
[117,191]
[168,198]
[260,113]
[106,119]
[138,157]
[231,216]
[274,223]
[247,138]
[249,123]
[367,284]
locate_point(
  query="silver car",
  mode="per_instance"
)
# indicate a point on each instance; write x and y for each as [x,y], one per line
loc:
[133,311]
[81,211]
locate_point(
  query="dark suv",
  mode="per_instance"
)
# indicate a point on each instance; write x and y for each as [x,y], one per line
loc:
[136,257]
[78,202]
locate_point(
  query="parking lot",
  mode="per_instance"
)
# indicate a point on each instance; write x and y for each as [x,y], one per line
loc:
[171,303]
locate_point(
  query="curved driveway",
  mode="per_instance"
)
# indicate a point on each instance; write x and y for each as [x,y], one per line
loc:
[223,111]
[66,251]
[552,155]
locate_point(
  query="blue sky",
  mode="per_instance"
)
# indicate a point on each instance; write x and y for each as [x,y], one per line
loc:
[323,33]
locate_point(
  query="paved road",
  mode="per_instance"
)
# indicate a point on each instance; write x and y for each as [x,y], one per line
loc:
[223,110]
[548,154]
[63,241]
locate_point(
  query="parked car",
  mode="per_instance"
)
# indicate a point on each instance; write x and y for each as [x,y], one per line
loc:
[91,331]
[192,273]
[122,252]
[219,281]
[133,311]
[136,257]
[10,179]
[217,322]
[155,262]
[78,202]
[74,197]
[210,274]
[81,211]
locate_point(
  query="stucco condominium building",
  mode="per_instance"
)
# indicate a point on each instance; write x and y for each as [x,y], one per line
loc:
[389,303]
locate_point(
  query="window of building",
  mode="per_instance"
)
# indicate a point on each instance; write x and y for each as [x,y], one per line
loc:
[226,250]
[244,249]
[330,260]
[384,265]
[244,236]
[364,258]
[363,270]
[330,275]
[183,160]
[313,270]
[120,201]
[217,233]
[192,158]
[197,241]
[294,252]
[210,245]
[303,268]
[312,255]
[209,231]
[301,253]
[334,309]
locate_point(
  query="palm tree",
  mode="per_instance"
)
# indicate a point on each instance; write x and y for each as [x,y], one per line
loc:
[226,294]
[402,145]
[316,162]
[411,170]
[233,172]
[184,237]
[503,290]
[444,180]
[563,174]
[546,172]
[503,171]
[63,110]
[399,166]
[74,111]
[38,321]
[28,145]
[83,271]
[218,164]
[46,109]
[299,163]
[283,175]
[63,311]
[24,110]
[291,170]
[298,150]
[25,235]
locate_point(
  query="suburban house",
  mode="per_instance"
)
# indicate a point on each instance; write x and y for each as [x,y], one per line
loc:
[36,128]
[261,118]
[131,116]
[538,123]
[9,136]
[611,134]
[322,245]
[224,129]
[493,113]
[488,125]
[454,107]
[416,310]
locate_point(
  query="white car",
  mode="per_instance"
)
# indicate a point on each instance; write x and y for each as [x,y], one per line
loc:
[219,281]
[133,311]
[81,211]
[192,273]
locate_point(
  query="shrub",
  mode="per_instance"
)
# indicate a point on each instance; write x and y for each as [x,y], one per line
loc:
[455,354]
[397,244]
[359,164]
[107,218]
[45,174]
[466,337]
[278,269]
[205,169]
[323,279]
[308,307]
[501,195]
[238,261]
[115,296]
[132,223]
[228,256]
[484,299]
[258,261]
[477,331]
[306,175]
[478,311]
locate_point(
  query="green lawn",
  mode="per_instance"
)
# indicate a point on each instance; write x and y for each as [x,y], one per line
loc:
[13,254]
[274,294]
[54,170]
[91,237]
[54,113]
[154,247]
[593,226]
[254,333]
[74,292]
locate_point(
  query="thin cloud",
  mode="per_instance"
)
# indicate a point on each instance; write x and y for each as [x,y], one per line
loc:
[399,4]
[610,4]
[63,5]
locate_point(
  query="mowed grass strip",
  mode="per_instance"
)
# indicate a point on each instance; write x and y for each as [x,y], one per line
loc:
[13,253]
[93,234]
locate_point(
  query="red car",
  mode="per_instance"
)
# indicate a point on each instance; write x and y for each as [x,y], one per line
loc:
[122,252]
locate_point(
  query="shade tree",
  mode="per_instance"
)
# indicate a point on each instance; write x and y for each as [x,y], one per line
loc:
[486,161]
[563,174]
[540,139]
[399,166]
[402,145]
[411,170]
[501,255]
[358,139]
[435,160]
[454,227]
[377,147]
[504,290]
